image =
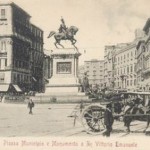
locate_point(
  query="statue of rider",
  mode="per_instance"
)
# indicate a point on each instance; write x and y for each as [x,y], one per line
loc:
[63,28]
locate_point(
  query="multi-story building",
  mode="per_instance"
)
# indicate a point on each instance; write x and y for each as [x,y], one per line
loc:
[125,73]
[21,50]
[37,58]
[109,63]
[95,71]
[47,65]
[143,60]
[125,65]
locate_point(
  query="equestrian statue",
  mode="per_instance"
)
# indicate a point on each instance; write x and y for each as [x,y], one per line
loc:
[64,33]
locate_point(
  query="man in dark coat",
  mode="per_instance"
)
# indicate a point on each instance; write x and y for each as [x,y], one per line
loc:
[30,106]
[108,120]
[85,83]
[63,28]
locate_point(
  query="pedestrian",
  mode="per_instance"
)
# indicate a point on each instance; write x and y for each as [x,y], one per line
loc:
[108,120]
[30,106]
[81,106]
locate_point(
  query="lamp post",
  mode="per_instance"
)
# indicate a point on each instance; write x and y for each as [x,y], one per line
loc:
[122,79]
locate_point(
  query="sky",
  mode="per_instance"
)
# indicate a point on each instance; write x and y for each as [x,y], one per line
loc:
[100,22]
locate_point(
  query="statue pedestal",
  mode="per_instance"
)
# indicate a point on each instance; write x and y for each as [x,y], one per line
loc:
[64,72]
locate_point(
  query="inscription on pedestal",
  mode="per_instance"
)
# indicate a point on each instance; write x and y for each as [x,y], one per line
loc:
[64,68]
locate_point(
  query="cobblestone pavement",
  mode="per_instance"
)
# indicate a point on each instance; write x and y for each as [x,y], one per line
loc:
[51,120]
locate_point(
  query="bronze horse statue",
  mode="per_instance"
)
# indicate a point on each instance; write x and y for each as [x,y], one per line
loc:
[68,35]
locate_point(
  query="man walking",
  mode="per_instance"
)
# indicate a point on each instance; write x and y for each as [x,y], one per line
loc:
[108,120]
[30,106]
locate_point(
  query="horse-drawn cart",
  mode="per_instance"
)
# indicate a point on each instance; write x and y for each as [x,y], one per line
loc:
[92,116]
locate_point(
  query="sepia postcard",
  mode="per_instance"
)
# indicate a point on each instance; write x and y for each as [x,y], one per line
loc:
[74,74]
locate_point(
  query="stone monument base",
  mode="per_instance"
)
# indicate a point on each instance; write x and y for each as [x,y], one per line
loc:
[62,85]
[64,74]
[61,89]
[67,98]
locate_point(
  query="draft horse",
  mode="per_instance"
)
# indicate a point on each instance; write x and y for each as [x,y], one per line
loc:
[136,112]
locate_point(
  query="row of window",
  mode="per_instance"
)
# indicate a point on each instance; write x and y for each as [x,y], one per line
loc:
[3,63]
[23,20]
[21,64]
[37,46]
[37,58]
[128,83]
[125,70]
[122,62]
[95,75]
[125,57]
[20,16]
[36,31]
[17,78]
[20,49]
[25,32]
[94,66]
[37,71]
[95,71]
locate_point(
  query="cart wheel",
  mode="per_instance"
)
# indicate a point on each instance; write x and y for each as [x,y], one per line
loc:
[93,119]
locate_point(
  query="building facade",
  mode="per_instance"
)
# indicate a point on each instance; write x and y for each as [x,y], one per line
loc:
[21,49]
[47,66]
[37,59]
[109,64]
[126,63]
[143,60]
[95,71]
[125,73]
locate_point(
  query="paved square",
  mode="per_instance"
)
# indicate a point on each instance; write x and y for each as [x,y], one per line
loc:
[50,120]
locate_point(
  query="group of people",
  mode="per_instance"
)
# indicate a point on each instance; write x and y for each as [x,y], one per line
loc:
[133,105]
[130,105]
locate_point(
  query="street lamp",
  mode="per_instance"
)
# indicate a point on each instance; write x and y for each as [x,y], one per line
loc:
[122,79]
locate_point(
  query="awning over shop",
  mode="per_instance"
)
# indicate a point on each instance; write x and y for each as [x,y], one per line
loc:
[4,88]
[17,88]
